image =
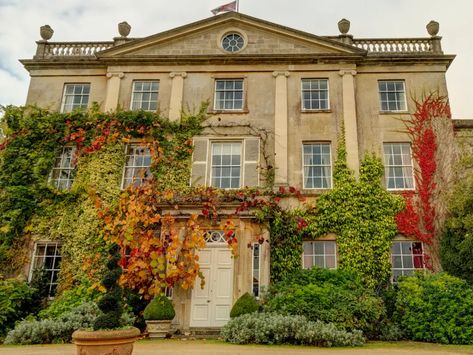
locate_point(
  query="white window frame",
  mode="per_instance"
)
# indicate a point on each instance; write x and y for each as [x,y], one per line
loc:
[56,265]
[305,109]
[71,169]
[405,271]
[241,163]
[151,92]
[387,166]
[397,102]
[82,107]
[253,270]
[324,255]
[322,166]
[234,91]
[135,168]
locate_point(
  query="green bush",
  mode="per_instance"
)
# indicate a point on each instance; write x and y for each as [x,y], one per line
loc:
[58,330]
[435,308]
[16,302]
[272,328]
[331,296]
[160,308]
[68,300]
[245,304]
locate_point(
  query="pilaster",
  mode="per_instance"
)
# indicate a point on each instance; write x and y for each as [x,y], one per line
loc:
[177,91]
[280,128]
[349,119]
[113,90]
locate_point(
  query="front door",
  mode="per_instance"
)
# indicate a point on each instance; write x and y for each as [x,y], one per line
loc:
[211,305]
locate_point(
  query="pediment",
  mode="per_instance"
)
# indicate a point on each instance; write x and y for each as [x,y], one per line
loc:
[203,38]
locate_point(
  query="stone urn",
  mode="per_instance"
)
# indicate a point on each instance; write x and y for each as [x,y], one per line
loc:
[433,28]
[124,29]
[158,329]
[46,32]
[101,342]
[344,26]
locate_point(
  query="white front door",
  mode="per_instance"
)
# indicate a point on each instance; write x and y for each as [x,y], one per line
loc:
[211,305]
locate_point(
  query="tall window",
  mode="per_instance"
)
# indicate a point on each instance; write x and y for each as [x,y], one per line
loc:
[398,166]
[392,94]
[137,165]
[256,277]
[226,165]
[320,253]
[315,94]
[145,95]
[47,256]
[229,95]
[62,175]
[76,96]
[317,166]
[406,257]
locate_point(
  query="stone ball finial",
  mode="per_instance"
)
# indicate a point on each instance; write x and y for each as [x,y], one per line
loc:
[344,26]
[124,29]
[433,28]
[46,32]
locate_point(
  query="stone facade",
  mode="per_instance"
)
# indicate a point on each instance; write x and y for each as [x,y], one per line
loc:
[272,64]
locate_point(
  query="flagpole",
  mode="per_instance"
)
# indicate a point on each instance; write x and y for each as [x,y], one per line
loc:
[238,5]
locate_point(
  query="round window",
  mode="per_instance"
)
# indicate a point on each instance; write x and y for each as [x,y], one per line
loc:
[233,42]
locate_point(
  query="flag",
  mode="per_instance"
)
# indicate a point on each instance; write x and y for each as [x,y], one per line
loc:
[231,6]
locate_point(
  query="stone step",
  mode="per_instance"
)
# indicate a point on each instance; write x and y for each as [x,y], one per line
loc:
[205,333]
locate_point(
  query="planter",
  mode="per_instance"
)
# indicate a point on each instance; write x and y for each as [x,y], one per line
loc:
[158,329]
[100,342]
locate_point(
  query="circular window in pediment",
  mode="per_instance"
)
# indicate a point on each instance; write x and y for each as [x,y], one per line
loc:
[233,42]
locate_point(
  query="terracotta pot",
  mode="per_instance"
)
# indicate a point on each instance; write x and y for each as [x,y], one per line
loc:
[158,329]
[433,28]
[344,26]
[124,29]
[46,32]
[100,342]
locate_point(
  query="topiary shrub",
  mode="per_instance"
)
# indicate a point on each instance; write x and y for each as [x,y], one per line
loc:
[332,296]
[111,303]
[435,308]
[272,328]
[245,304]
[160,308]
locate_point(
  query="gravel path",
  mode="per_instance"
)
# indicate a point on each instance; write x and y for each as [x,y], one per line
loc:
[190,347]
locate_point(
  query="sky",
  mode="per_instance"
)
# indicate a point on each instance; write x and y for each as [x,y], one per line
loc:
[96,20]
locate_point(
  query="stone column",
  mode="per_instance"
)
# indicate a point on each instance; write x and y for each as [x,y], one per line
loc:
[280,128]
[349,119]
[113,91]
[177,91]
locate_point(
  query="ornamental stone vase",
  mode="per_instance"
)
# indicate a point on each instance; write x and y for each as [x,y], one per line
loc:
[344,26]
[158,329]
[124,29]
[100,342]
[433,28]
[46,32]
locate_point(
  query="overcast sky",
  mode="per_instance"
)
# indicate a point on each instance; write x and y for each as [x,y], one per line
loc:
[96,20]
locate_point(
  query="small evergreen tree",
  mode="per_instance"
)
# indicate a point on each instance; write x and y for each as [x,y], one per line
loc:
[111,303]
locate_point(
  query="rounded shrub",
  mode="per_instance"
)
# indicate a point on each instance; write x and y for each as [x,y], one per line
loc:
[245,304]
[332,296]
[435,308]
[160,308]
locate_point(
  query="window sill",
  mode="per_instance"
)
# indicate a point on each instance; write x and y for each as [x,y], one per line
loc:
[316,111]
[226,112]
[394,112]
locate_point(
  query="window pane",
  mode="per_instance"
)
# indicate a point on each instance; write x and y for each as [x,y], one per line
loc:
[317,165]
[392,95]
[226,164]
[137,166]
